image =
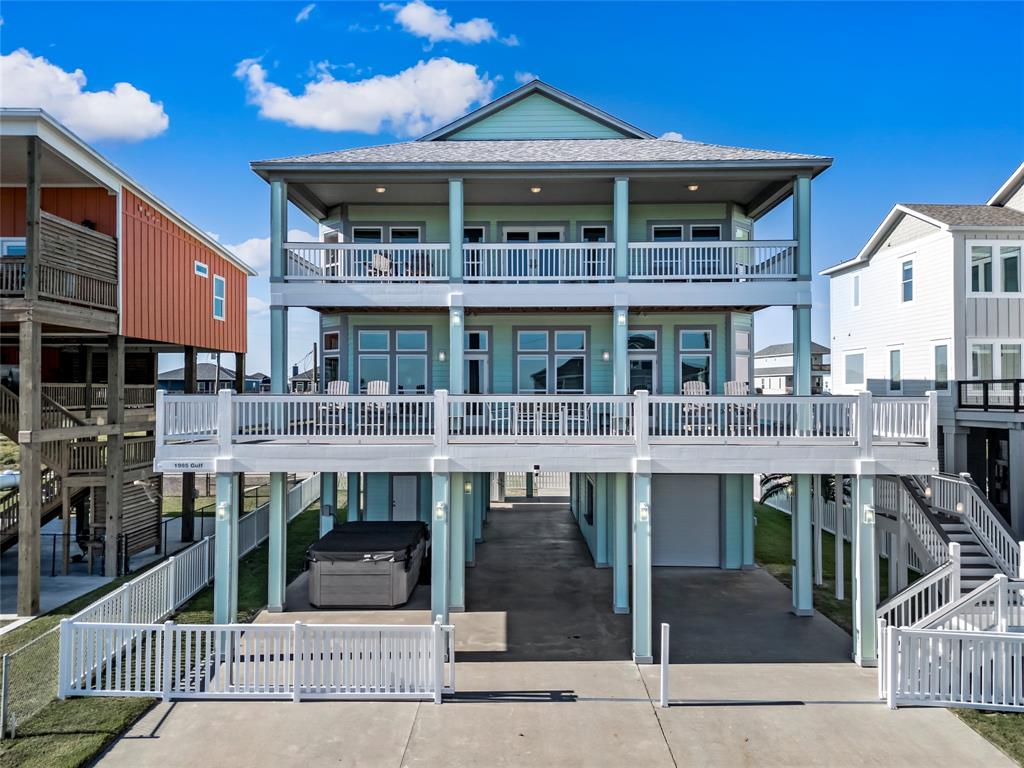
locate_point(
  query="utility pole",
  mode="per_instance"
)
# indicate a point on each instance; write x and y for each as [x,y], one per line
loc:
[316,387]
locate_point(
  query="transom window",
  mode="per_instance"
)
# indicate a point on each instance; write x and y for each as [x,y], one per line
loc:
[695,355]
[699,232]
[995,266]
[551,361]
[219,297]
[473,234]
[594,234]
[539,234]
[367,235]
[200,269]
[404,234]
[666,233]
[399,356]
[907,281]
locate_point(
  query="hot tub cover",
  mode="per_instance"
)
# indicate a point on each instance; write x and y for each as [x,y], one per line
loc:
[378,541]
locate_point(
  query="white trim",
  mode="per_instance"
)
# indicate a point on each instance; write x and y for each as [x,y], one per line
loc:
[997,269]
[219,280]
[883,229]
[903,280]
[200,269]
[1008,188]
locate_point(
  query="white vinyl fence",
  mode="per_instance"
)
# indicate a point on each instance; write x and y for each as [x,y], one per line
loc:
[544,483]
[257,661]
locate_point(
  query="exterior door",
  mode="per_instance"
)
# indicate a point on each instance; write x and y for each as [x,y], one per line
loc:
[542,262]
[403,497]
[685,520]
[475,376]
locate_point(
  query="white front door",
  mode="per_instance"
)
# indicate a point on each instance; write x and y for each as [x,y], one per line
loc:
[403,497]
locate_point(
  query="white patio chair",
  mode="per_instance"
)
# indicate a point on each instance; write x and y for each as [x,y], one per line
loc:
[695,388]
[381,266]
[377,388]
[695,413]
[736,388]
[334,388]
[740,415]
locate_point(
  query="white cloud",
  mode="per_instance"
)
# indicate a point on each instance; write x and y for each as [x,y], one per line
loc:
[125,112]
[305,13]
[416,100]
[671,136]
[436,25]
[256,306]
[524,77]
[256,250]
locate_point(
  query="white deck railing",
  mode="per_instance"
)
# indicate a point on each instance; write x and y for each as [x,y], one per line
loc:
[366,262]
[733,261]
[538,262]
[902,418]
[257,661]
[925,596]
[441,418]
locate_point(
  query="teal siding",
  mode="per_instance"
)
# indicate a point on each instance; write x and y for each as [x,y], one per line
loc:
[536,117]
[437,323]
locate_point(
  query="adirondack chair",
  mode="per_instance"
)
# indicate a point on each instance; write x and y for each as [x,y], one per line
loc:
[336,387]
[695,388]
[740,415]
[736,388]
[696,414]
[377,411]
[381,266]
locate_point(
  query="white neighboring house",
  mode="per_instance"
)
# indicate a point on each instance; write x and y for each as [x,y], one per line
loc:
[935,300]
[773,370]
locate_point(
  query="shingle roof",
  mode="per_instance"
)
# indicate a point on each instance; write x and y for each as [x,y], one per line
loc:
[969,215]
[772,350]
[204,372]
[545,151]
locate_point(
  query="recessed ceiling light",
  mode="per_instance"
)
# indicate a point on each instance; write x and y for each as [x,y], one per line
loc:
[381,190]
[693,187]
[535,190]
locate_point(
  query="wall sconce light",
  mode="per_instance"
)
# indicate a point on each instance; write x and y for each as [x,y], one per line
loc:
[439,510]
[693,187]
[959,507]
[643,512]
[869,515]
[467,487]
[535,190]
[789,490]
[456,318]
[442,356]
[927,491]
[621,319]
[606,355]
[223,509]
[380,190]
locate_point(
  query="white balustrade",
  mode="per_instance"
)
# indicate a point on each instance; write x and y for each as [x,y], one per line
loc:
[366,262]
[901,419]
[730,261]
[541,418]
[752,419]
[187,418]
[928,594]
[538,262]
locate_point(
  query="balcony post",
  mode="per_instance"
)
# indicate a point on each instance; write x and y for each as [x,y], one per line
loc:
[620,227]
[1015,438]
[865,563]
[620,350]
[278,528]
[115,454]
[455,231]
[456,349]
[439,527]
[33,197]
[865,424]
[225,576]
[457,543]
[225,425]
[803,559]
[802,225]
[30,494]
[277,542]
[328,501]
[188,479]
[620,561]
[642,651]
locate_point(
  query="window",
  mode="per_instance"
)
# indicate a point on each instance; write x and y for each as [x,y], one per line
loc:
[642,340]
[741,233]
[543,234]
[373,340]
[472,234]
[907,281]
[941,366]
[404,234]
[551,361]
[594,234]
[12,246]
[995,266]
[981,361]
[475,341]
[855,368]
[332,370]
[996,359]
[666,234]
[411,374]
[476,362]
[399,356]
[331,341]
[415,341]
[219,297]
[741,356]
[856,291]
[373,368]
[895,370]
[200,269]
[695,357]
[367,235]
[705,232]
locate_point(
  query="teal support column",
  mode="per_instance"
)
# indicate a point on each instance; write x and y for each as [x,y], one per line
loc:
[620,227]
[457,545]
[802,225]
[731,555]
[803,560]
[600,519]
[456,350]
[620,562]
[469,481]
[455,228]
[328,501]
[482,500]
[277,542]
[865,563]
[225,565]
[801,350]
[278,315]
[529,484]
[439,525]
[748,521]
[620,351]
[352,501]
[642,653]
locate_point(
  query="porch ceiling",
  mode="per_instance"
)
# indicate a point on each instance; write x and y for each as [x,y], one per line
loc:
[56,171]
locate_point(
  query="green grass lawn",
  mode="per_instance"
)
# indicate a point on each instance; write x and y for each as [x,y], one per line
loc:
[772,550]
[9,454]
[71,733]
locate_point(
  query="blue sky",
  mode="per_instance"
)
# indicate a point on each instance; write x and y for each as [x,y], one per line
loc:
[917,102]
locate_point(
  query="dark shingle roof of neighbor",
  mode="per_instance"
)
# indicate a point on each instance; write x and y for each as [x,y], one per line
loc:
[546,151]
[204,372]
[787,349]
[969,215]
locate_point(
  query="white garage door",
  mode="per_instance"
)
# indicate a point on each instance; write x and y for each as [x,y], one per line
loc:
[685,520]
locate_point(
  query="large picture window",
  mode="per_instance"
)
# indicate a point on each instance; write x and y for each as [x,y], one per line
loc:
[994,266]
[695,356]
[992,359]
[553,362]
[399,356]
[854,365]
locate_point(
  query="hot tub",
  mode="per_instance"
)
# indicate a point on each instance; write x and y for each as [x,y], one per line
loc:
[366,563]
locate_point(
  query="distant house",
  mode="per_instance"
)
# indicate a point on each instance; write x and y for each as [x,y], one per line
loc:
[207,379]
[773,370]
[302,382]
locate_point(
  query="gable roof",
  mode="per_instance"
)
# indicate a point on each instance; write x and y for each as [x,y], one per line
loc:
[1009,188]
[537,87]
[204,372]
[773,350]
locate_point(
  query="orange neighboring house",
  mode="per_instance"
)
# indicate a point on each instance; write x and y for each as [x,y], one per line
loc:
[97,276]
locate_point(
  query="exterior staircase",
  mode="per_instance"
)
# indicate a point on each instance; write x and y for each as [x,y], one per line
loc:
[976,564]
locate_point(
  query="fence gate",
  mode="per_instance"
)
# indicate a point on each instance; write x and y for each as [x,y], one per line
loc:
[257,661]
